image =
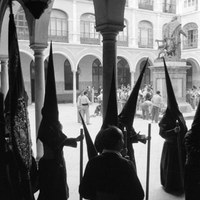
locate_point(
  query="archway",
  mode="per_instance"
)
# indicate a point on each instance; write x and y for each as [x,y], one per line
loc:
[97,74]
[123,72]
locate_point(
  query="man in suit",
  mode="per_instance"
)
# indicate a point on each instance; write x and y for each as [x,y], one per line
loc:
[109,175]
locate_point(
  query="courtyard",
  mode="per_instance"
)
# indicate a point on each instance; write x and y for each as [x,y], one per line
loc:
[68,118]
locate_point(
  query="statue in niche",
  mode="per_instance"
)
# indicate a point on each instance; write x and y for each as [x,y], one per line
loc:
[171,43]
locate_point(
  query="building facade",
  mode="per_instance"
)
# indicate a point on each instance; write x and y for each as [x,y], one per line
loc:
[77,47]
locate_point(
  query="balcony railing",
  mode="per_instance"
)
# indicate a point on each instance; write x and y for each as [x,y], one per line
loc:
[58,36]
[90,38]
[145,44]
[169,8]
[146,6]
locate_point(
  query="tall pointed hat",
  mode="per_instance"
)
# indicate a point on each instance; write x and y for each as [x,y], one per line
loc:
[111,116]
[127,114]
[91,150]
[50,107]
[50,131]
[111,112]
[171,99]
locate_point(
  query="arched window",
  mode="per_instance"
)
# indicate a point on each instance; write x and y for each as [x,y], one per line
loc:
[191,41]
[123,72]
[68,75]
[97,74]
[88,31]
[122,38]
[58,26]
[21,25]
[145,39]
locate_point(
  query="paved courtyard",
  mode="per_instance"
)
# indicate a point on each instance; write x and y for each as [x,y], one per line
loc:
[68,117]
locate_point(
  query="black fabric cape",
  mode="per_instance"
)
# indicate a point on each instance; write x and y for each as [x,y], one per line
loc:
[192,166]
[173,153]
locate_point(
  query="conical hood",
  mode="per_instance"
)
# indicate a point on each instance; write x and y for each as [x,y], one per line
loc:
[91,150]
[50,107]
[111,112]
[127,114]
[172,105]
[171,99]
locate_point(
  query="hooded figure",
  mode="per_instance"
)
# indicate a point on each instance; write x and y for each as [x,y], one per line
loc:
[111,113]
[172,129]
[126,118]
[52,170]
[192,166]
[17,139]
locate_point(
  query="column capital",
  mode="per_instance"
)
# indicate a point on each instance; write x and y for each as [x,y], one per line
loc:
[38,46]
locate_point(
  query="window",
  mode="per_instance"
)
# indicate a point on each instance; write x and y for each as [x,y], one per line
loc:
[191,41]
[21,25]
[123,72]
[169,6]
[145,39]
[146,4]
[58,26]
[88,31]
[122,38]
[190,5]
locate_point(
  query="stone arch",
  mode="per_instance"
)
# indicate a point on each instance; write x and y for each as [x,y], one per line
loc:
[147,78]
[123,72]
[84,66]
[192,74]
[94,52]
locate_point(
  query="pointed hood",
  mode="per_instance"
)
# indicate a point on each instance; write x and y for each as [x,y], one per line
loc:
[127,114]
[111,112]
[50,130]
[91,150]
[171,99]
[50,107]
[172,105]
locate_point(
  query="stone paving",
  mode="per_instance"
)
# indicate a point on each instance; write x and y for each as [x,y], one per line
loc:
[68,117]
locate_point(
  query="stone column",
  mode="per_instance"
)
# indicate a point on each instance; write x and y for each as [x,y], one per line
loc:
[39,91]
[74,87]
[4,76]
[109,62]
[132,79]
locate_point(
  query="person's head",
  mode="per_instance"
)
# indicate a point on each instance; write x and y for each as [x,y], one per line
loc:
[158,92]
[112,138]
[85,92]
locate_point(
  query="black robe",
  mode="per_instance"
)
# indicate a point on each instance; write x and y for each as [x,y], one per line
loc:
[173,154]
[192,166]
[52,170]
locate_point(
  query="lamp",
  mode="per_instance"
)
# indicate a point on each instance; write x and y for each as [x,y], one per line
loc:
[109,14]
[36,7]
